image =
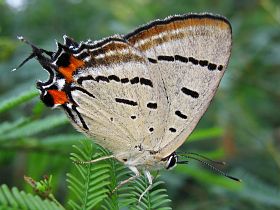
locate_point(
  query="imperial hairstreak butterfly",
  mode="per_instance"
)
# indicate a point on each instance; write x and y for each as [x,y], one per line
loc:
[139,95]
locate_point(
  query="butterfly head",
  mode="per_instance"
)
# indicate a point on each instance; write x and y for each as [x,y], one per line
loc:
[171,161]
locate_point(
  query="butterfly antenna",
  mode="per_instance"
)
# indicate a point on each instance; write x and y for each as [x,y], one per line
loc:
[211,167]
[35,52]
[203,157]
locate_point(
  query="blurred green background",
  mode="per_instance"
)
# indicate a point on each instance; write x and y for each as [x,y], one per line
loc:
[242,125]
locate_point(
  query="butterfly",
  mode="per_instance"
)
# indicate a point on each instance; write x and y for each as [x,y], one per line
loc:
[139,95]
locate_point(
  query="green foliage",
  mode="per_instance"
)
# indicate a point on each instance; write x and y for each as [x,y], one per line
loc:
[7,47]
[203,134]
[156,198]
[13,199]
[259,191]
[43,187]
[91,185]
[36,126]
[16,101]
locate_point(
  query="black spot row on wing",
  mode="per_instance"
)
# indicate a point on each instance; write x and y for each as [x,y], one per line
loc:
[194,61]
[135,80]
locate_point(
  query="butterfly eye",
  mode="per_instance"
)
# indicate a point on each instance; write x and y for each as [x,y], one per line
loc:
[172,161]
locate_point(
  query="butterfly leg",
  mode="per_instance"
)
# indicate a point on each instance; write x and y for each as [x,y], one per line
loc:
[137,174]
[150,180]
[95,160]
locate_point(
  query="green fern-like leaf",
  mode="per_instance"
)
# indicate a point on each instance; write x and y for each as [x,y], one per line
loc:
[13,199]
[155,198]
[92,185]
[118,173]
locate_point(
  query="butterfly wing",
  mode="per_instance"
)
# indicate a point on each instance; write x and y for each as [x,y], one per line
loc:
[190,54]
[145,91]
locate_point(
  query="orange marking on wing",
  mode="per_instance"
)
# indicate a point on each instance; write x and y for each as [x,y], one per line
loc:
[59,97]
[68,71]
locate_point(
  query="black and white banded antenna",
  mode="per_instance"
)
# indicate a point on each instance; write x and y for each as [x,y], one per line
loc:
[212,167]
